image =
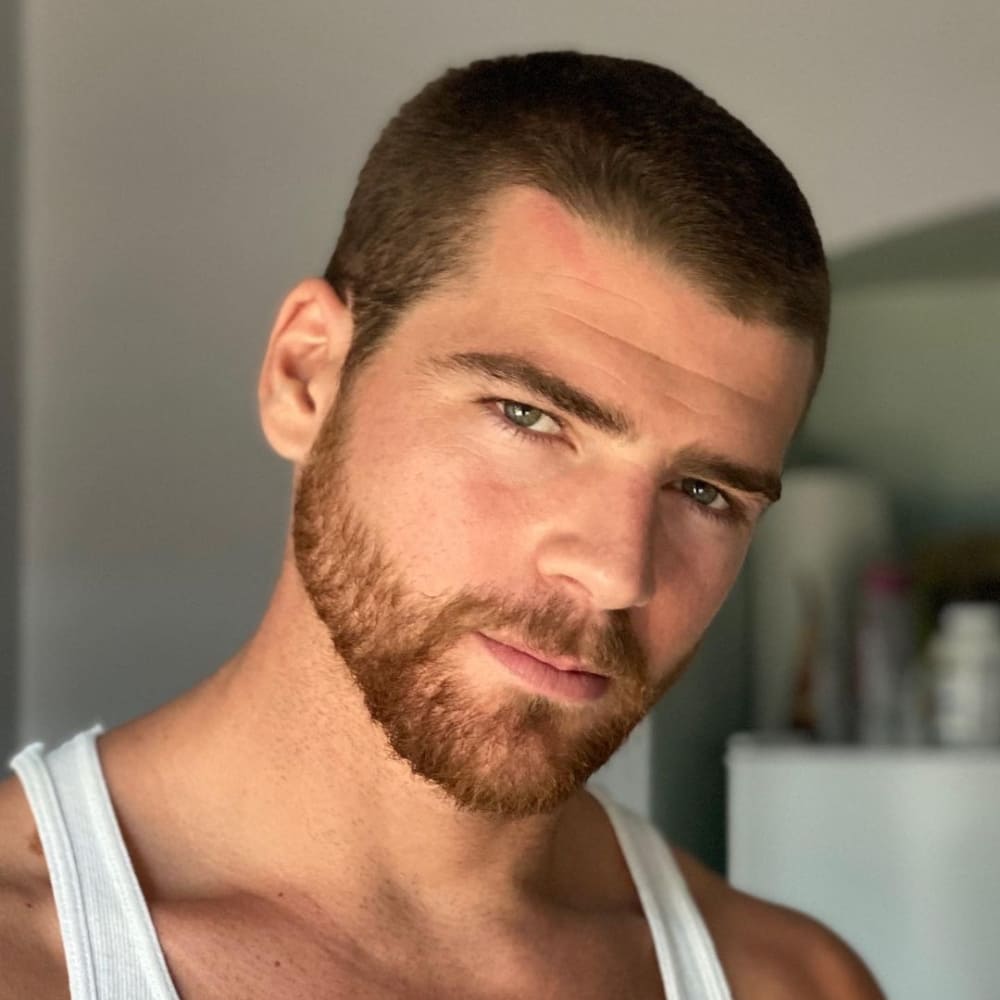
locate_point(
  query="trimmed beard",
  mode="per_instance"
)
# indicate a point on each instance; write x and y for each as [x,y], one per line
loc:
[520,755]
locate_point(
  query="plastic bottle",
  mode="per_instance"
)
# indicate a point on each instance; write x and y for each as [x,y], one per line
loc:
[885,651]
[965,659]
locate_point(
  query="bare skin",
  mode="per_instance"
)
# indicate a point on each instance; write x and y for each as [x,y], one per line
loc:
[283,848]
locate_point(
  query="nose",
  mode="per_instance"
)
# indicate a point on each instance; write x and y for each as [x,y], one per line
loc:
[604,541]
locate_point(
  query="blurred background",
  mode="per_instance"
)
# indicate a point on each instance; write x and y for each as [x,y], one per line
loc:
[169,171]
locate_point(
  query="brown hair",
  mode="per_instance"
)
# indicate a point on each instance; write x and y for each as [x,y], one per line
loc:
[627,145]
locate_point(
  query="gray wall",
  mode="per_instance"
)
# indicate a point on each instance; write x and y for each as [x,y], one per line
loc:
[183,164]
[9,367]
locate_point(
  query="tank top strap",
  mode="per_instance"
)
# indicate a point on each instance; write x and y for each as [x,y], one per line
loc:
[111,948]
[689,963]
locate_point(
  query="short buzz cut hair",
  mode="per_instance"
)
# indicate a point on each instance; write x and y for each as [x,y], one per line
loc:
[628,146]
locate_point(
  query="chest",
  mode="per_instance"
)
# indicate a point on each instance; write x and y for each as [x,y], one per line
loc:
[236,960]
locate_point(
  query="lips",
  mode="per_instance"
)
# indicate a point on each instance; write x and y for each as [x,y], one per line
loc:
[566,684]
[556,662]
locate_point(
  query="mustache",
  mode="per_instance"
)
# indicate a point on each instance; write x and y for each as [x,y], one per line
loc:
[551,627]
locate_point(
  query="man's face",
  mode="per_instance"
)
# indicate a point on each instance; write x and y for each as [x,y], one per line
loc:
[422,517]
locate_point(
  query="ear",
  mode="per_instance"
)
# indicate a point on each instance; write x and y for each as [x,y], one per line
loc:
[301,372]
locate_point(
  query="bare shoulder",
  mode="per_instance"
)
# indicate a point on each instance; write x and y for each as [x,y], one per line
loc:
[31,955]
[772,952]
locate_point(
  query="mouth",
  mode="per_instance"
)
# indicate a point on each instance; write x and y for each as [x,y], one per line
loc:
[558,680]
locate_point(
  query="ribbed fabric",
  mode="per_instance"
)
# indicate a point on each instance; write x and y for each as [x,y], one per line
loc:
[689,963]
[112,952]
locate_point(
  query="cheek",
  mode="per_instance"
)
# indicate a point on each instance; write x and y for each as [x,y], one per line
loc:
[696,568]
[442,523]
[490,522]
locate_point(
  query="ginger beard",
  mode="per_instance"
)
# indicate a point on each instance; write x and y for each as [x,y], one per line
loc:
[512,753]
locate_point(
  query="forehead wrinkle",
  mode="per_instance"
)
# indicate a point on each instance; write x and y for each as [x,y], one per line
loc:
[607,310]
[682,375]
[556,276]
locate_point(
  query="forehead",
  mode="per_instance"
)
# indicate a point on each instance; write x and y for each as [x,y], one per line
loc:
[595,308]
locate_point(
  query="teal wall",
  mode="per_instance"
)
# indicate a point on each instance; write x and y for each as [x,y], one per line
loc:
[690,728]
[911,393]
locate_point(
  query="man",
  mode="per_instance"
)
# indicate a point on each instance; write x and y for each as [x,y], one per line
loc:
[536,406]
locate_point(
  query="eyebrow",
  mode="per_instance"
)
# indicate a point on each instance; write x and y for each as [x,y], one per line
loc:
[519,372]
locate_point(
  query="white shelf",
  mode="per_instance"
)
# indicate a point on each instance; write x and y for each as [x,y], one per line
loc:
[896,848]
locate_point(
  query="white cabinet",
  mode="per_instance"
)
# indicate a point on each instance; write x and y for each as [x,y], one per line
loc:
[896,849]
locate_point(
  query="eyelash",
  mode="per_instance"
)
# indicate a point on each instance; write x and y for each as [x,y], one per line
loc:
[733,514]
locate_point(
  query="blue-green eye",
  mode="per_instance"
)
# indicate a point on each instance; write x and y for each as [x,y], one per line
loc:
[702,492]
[511,406]
[506,410]
[711,501]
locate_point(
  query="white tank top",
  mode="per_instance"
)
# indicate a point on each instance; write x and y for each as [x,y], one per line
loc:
[112,951]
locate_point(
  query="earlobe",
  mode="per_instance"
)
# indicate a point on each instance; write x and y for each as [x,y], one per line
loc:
[301,371]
